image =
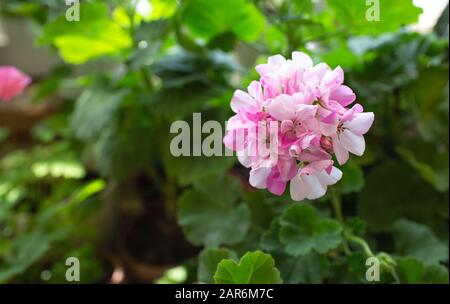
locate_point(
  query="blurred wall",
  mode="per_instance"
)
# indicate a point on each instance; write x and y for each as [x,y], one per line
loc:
[17,48]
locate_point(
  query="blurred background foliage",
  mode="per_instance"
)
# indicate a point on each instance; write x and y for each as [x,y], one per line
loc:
[85,168]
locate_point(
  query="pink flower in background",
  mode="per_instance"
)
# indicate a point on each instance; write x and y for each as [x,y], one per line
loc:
[309,106]
[12,82]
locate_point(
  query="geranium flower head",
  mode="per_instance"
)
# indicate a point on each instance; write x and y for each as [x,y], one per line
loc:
[311,108]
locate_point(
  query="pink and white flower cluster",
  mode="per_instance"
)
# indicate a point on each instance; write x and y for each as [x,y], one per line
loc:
[311,110]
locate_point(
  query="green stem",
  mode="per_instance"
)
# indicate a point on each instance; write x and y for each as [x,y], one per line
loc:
[361,242]
[350,237]
[336,202]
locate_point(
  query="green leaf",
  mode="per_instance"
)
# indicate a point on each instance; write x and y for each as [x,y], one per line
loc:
[163,8]
[95,109]
[115,150]
[150,37]
[413,271]
[356,225]
[410,270]
[189,169]
[95,35]
[261,209]
[392,15]
[438,178]
[209,218]
[270,239]
[209,18]
[209,259]
[435,274]
[26,250]
[429,159]
[253,268]
[418,241]
[310,268]
[302,231]
[394,190]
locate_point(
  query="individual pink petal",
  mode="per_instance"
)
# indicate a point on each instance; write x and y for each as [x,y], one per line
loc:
[357,108]
[335,107]
[316,166]
[237,122]
[343,94]
[308,140]
[287,168]
[282,108]
[306,111]
[286,125]
[276,187]
[330,119]
[313,154]
[274,184]
[332,79]
[254,90]
[328,129]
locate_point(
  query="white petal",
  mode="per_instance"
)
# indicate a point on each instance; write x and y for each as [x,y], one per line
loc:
[320,69]
[276,60]
[258,177]
[352,142]
[243,158]
[296,189]
[360,123]
[302,60]
[330,179]
[312,186]
[241,99]
[340,151]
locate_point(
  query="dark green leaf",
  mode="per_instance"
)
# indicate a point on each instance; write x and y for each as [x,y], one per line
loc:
[302,231]
[253,268]
[211,220]
[418,241]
